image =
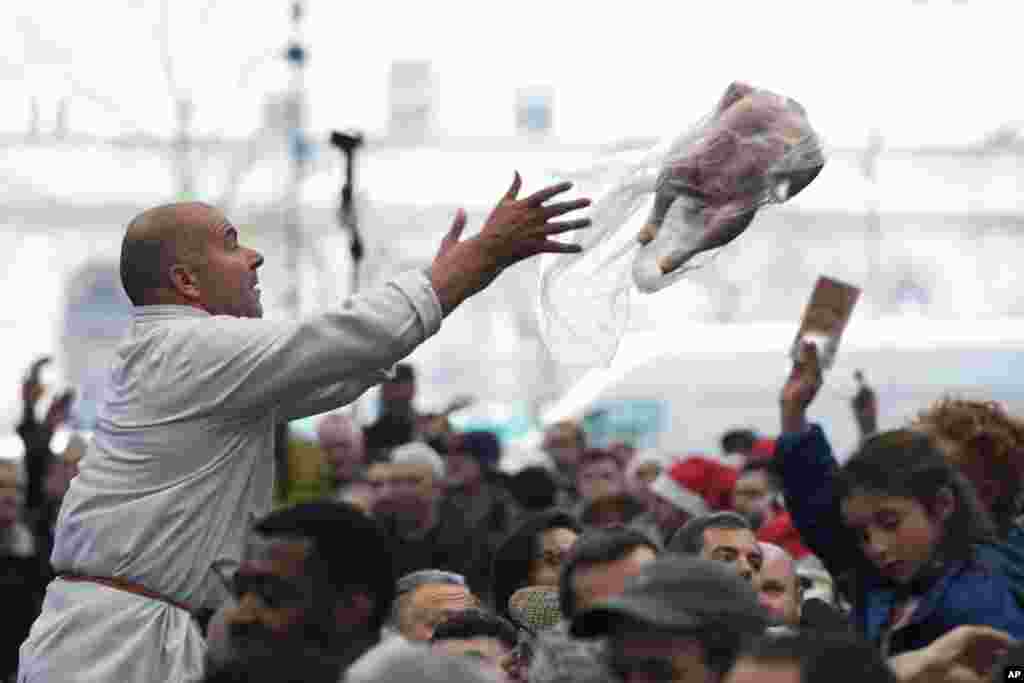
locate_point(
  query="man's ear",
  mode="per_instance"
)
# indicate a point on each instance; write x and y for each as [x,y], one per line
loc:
[184,281]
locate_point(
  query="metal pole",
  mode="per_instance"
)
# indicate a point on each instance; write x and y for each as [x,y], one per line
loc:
[298,150]
[348,217]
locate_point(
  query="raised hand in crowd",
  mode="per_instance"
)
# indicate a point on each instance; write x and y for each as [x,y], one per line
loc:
[801,387]
[58,412]
[32,387]
[516,230]
[967,654]
[865,406]
[32,390]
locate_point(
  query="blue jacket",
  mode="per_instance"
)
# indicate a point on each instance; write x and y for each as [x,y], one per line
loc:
[973,592]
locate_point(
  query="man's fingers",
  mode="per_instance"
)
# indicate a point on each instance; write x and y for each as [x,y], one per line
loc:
[558,227]
[552,247]
[458,225]
[563,207]
[541,196]
[513,191]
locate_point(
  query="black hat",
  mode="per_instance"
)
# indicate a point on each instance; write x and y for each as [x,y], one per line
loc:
[678,593]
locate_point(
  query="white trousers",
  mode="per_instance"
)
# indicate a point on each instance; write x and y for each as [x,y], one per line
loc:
[89,632]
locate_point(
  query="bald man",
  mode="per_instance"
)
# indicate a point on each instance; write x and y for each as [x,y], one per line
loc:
[342,442]
[781,592]
[182,456]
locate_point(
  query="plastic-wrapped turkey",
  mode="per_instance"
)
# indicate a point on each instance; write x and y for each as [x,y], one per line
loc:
[704,188]
[756,148]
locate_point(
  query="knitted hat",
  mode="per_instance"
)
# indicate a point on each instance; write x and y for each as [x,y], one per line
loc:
[417,452]
[483,446]
[763,448]
[689,484]
[707,479]
[535,607]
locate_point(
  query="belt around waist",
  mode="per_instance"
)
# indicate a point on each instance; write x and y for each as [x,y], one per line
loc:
[126,586]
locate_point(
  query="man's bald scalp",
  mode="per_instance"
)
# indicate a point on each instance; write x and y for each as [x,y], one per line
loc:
[157,239]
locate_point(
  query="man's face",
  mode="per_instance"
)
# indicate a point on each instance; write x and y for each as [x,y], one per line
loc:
[780,589]
[647,656]
[228,280]
[597,582]
[750,671]
[344,450]
[430,605]
[492,653]
[274,598]
[554,546]
[599,478]
[752,497]
[406,490]
[560,442]
[737,548]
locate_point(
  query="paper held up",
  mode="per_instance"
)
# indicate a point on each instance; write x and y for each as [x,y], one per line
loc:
[702,189]
[825,318]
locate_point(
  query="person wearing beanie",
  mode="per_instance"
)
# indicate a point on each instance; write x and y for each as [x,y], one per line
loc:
[687,488]
[474,494]
[420,453]
[408,501]
[344,472]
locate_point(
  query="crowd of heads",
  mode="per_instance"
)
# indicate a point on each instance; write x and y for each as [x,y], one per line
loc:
[602,563]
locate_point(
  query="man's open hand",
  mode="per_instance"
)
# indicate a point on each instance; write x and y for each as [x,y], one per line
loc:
[520,228]
[516,230]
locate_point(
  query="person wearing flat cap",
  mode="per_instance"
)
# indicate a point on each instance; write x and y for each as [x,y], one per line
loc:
[681,620]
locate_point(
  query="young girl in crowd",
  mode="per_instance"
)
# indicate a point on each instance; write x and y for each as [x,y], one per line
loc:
[899,520]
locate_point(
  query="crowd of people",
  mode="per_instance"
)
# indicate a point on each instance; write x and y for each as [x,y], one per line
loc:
[153,552]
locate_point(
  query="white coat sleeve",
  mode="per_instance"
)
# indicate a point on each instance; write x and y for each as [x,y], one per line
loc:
[332,397]
[240,365]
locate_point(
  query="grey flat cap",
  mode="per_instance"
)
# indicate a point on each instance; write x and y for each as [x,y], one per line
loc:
[678,593]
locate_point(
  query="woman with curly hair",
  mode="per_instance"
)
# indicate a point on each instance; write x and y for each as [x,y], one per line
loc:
[987,444]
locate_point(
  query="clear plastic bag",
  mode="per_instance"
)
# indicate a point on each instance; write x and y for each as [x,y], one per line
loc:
[702,190]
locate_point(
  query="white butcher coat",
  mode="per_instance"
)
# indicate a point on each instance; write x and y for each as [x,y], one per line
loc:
[183,459]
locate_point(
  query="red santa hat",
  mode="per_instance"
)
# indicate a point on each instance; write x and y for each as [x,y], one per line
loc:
[696,484]
[762,448]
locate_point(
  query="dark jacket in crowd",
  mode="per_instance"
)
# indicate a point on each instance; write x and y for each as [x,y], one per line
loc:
[964,593]
[39,513]
[23,578]
[450,545]
[388,432]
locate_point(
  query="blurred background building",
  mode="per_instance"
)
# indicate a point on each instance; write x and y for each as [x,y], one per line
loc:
[931,232]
